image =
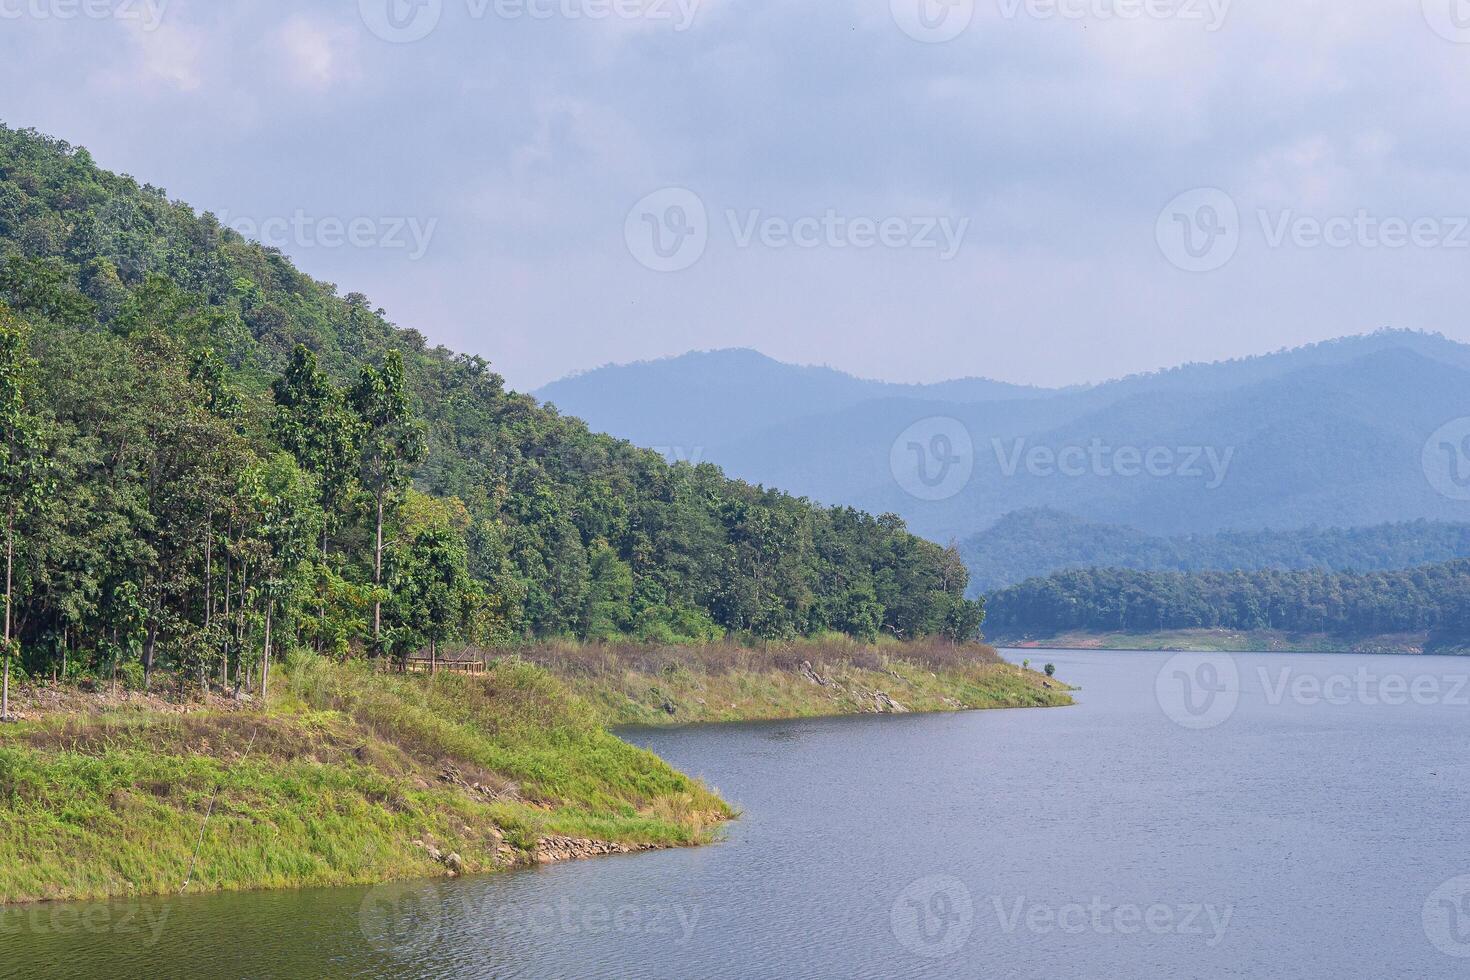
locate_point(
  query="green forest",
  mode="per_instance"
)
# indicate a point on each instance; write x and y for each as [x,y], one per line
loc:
[208,455]
[1036,542]
[1433,599]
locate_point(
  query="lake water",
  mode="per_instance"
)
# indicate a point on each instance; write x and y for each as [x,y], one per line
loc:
[1248,816]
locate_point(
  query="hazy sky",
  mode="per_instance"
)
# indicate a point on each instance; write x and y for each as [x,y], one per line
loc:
[905,189]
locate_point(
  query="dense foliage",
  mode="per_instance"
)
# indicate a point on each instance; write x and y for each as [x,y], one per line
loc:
[1434,598]
[204,447]
[1037,542]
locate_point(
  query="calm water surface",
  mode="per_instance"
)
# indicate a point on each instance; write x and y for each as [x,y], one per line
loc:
[1256,816]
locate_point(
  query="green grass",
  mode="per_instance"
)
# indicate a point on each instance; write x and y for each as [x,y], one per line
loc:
[343,779]
[341,783]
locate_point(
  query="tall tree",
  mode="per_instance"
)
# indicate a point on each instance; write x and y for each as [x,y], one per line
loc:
[434,597]
[315,424]
[392,444]
[20,461]
[286,523]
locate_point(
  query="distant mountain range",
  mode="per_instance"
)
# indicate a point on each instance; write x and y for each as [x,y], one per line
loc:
[1329,435]
[710,400]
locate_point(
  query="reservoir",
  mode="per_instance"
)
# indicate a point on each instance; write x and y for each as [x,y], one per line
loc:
[1254,815]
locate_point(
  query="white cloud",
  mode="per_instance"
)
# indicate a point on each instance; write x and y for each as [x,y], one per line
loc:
[316,54]
[168,53]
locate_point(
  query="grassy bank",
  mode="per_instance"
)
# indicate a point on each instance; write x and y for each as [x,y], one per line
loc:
[1240,641]
[641,685]
[357,776]
[349,777]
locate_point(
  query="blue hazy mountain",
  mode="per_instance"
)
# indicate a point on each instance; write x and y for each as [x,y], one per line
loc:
[708,400]
[1329,435]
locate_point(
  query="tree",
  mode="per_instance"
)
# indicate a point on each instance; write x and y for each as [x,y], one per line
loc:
[435,599]
[21,463]
[188,462]
[285,523]
[392,444]
[314,423]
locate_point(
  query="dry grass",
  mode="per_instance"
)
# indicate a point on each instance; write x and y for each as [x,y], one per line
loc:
[603,660]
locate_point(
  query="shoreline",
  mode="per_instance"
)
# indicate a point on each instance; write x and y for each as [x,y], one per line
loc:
[363,778]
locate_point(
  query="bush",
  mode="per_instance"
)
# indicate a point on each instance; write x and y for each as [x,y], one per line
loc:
[130,674]
[1051,670]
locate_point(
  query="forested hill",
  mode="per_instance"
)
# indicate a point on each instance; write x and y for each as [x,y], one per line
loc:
[1434,599]
[194,425]
[1037,542]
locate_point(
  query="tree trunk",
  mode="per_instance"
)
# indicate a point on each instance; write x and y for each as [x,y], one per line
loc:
[322,618]
[149,646]
[378,581]
[224,664]
[265,663]
[240,635]
[208,600]
[9,563]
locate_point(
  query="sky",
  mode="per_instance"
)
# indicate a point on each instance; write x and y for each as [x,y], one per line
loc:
[1040,191]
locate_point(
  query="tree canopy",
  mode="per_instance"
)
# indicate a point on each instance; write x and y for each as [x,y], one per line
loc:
[239,447]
